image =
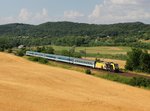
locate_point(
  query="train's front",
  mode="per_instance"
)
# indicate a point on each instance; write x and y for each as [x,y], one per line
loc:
[116,67]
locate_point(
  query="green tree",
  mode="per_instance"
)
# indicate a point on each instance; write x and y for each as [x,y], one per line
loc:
[65,53]
[145,62]
[133,60]
[49,50]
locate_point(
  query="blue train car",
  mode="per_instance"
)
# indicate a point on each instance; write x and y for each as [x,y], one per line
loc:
[66,59]
[51,56]
[84,62]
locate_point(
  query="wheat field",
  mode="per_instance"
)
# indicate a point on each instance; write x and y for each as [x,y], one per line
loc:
[29,86]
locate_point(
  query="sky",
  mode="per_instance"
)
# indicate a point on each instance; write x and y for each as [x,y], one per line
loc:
[82,11]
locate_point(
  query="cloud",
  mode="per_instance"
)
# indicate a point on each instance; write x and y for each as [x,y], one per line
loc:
[6,20]
[124,2]
[72,14]
[106,12]
[114,11]
[41,16]
[26,16]
[96,12]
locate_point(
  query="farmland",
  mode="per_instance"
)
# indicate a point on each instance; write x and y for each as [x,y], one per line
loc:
[115,54]
[99,49]
[31,86]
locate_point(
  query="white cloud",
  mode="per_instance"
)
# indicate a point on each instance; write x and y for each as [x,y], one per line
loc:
[72,14]
[6,20]
[96,12]
[41,16]
[124,2]
[109,11]
[114,11]
[24,15]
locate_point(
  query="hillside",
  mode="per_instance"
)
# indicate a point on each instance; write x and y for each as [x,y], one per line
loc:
[28,86]
[75,34]
[59,29]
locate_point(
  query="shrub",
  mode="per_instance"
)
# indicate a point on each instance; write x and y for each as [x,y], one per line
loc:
[1,49]
[88,71]
[117,78]
[21,52]
[140,81]
[9,50]
[33,59]
[38,59]
[42,60]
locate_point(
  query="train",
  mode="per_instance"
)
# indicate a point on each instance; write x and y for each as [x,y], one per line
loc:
[97,64]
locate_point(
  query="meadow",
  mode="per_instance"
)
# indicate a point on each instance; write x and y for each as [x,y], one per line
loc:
[117,54]
[97,50]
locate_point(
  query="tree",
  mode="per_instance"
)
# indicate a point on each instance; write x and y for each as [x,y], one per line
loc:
[133,60]
[65,53]
[138,60]
[44,49]
[144,62]
[50,50]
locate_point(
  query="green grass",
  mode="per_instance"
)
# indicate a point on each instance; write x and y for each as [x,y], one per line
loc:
[99,52]
[57,64]
[109,56]
[117,78]
[98,49]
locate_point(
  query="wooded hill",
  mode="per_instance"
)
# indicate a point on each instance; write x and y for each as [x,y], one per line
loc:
[53,29]
[78,33]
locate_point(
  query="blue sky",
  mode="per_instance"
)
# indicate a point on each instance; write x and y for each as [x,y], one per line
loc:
[87,11]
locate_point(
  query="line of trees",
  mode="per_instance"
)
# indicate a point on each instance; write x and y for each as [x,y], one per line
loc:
[138,60]
[10,42]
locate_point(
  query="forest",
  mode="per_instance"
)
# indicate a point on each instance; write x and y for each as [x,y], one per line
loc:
[75,34]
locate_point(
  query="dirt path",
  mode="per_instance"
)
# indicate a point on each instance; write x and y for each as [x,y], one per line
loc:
[28,86]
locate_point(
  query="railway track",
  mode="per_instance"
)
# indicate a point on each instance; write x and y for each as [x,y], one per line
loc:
[126,74]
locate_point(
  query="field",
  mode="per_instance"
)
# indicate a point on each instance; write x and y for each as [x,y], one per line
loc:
[28,86]
[96,50]
[107,53]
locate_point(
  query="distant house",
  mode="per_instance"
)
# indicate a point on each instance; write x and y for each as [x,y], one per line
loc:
[21,46]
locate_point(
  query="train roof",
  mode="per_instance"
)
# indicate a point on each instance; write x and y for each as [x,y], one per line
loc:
[62,56]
